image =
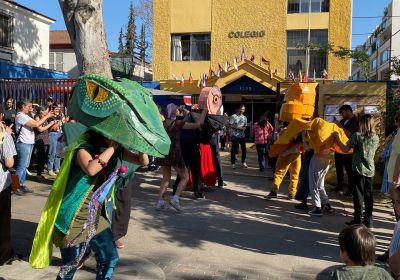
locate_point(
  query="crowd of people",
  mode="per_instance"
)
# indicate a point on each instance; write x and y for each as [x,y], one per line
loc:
[29,129]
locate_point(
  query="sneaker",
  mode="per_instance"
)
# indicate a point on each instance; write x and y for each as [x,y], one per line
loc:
[51,173]
[175,204]
[291,197]
[244,164]
[272,195]
[199,195]
[28,172]
[57,171]
[25,189]
[41,177]
[160,205]
[302,206]
[328,208]
[317,212]
[18,192]
[233,166]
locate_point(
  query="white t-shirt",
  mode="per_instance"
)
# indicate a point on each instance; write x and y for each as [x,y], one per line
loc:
[7,151]
[27,134]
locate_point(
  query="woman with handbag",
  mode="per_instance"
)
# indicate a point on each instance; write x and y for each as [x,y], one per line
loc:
[7,153]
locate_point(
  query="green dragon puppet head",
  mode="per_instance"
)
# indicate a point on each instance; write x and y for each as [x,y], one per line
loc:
[121,110]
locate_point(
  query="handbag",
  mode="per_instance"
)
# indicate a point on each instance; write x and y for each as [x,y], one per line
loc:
[15,185]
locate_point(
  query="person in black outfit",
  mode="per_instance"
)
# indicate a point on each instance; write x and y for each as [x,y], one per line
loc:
[349,123]
[214,144]
[190,147]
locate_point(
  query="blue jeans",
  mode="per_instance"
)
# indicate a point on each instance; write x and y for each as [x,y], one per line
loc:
[24,152]
[106,256]
[262,150]
[54,160]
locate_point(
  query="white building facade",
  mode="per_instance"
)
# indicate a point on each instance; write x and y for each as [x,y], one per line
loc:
[381,45]
[24,35]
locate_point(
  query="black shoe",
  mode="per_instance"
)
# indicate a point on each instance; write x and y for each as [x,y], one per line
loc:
[328,208]
[25,189]
[384,258]
[198,195]
[352,222]
[337,189]
[348,194]
[302,206]
[317,212]
[272,195]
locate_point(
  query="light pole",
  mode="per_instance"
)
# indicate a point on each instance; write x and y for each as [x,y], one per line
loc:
[309,39]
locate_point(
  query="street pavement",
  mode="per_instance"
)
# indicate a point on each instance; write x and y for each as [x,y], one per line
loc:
[234,233]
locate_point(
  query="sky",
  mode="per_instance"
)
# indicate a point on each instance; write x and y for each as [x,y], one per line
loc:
[116,16]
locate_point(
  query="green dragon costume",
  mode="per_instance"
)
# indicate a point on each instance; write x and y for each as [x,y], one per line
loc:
[120,110]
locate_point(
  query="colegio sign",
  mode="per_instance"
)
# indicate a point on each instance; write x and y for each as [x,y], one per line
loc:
[246,34]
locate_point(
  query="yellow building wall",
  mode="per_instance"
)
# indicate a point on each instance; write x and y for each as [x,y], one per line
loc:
[193,15]
[197,68]
[220,17]
[161,39]
[339,34]
[300,21]
[250,15]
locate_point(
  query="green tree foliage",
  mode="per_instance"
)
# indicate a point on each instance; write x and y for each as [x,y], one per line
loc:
[142,45]
[121,46]
[359,57]
[131,32]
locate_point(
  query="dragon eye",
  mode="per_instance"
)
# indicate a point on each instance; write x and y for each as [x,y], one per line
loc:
[96,93]
[215,98]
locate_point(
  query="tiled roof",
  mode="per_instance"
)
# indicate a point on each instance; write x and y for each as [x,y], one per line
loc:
[59,37]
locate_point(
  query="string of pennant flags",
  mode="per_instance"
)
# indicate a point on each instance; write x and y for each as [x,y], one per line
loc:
[227,67]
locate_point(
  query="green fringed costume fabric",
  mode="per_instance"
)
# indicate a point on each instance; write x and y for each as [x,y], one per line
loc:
[121,110]
[42,247]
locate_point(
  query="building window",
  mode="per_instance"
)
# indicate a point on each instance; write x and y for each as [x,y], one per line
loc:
[384,56]
[373,65]
[296,58]
[56,61]
[186,47]
[6,31]
[302,6]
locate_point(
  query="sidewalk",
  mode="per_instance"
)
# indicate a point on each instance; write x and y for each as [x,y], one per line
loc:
[232,234]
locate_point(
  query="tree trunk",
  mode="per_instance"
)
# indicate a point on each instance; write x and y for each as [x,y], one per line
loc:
[84,21]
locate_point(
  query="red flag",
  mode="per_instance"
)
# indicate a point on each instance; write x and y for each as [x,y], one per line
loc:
[266,62]
[211,73]
[187,99]
[252,58]
[190,78]
[182,81]
[305,80]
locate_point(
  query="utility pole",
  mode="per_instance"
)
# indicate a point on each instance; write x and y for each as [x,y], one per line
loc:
[309,39]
